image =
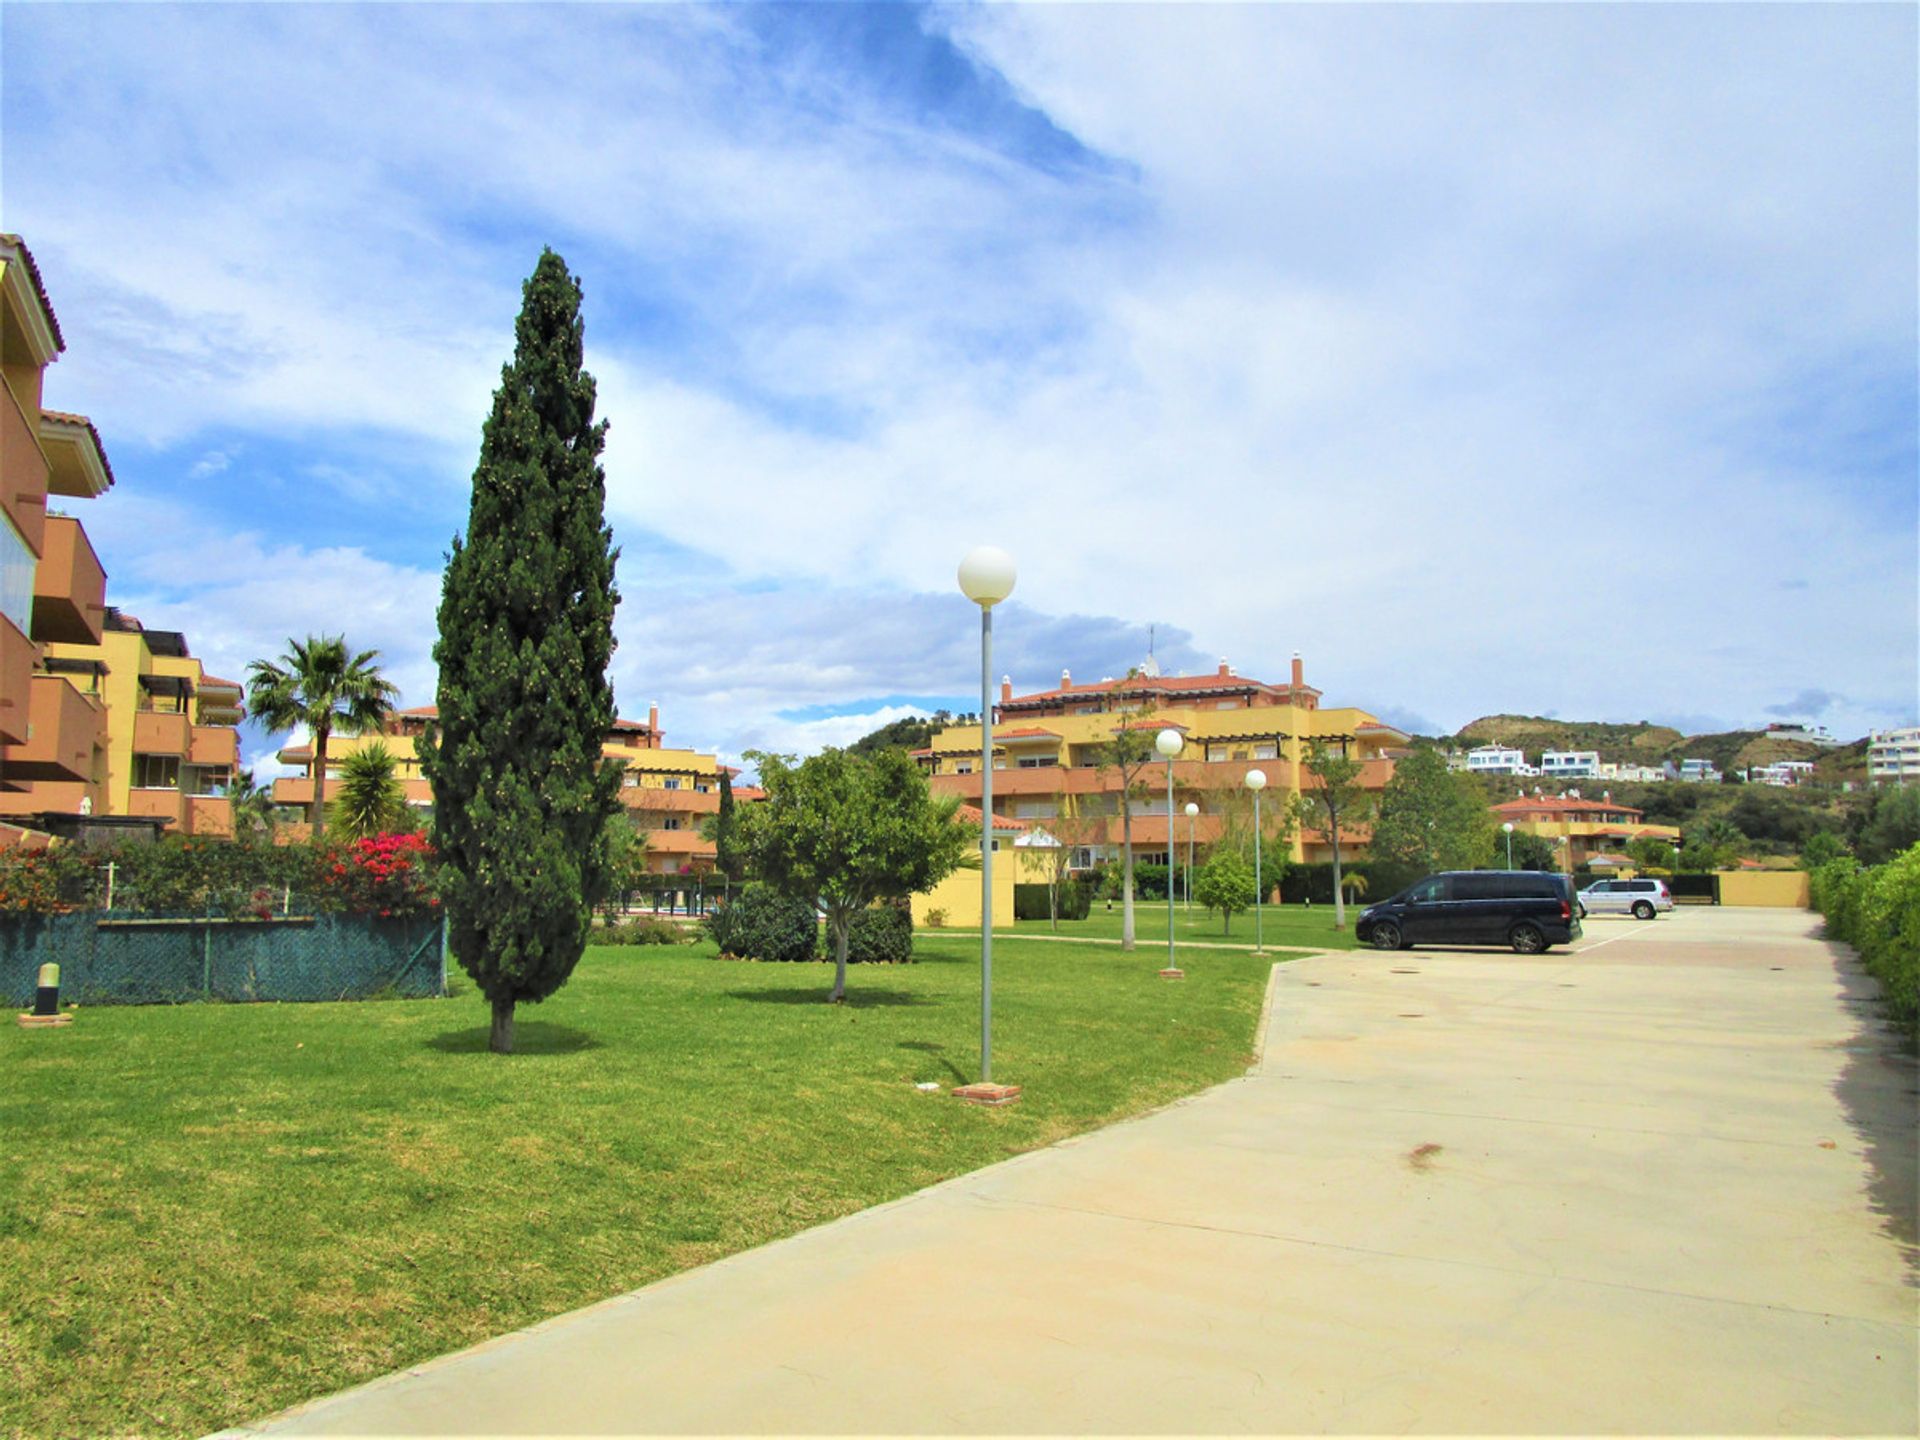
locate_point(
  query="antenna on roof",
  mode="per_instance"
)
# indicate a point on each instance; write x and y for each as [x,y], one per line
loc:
[1151,668]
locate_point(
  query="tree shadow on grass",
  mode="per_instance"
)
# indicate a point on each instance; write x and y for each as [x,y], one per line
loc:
[939,1052]
[530,1037]
[857,999]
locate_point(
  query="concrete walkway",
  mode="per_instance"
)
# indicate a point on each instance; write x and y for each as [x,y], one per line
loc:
[1664,1184]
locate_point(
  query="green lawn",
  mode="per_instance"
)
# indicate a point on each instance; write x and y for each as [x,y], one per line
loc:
[209,1212]
[1294,927]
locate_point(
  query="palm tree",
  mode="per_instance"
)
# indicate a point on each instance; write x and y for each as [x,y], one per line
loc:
[372,800]
[320,685]
[252,805]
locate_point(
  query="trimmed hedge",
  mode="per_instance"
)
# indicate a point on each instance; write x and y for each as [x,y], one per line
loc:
[644,931]
[1876,910]
[1030,901]
[880,936]
[761,924]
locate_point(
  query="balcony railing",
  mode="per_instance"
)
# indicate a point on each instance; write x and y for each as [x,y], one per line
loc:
[160,733]
[16,681]
[66,728]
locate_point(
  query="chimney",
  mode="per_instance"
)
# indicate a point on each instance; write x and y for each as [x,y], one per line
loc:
[1006,689]
[653,724]
[1066,679]
[1299,672]
[1225,669]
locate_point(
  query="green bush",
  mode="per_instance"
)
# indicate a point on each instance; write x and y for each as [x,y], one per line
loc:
[1877,912]
[644,931]
[880,936]
[1030,901]
[761,924]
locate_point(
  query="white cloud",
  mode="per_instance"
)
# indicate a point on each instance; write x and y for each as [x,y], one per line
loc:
[1444,344]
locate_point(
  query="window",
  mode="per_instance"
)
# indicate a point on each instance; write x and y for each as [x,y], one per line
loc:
[1217,752]
[156,772]
[1265,750]
[1484,886]
[1428,891]
[672,782]
[630,780]
[963,767]
[702,788]
[671,822]
[1038,762]
[16,577]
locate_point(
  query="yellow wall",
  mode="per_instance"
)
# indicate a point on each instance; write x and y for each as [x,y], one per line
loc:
[959,896]
[1787,889]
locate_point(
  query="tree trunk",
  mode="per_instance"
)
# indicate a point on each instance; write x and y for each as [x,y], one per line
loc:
[1126,871]
[500,1041]
[839,925]
[1339,896]
[319,781]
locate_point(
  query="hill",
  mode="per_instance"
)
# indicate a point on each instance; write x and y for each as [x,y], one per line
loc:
[1641,744]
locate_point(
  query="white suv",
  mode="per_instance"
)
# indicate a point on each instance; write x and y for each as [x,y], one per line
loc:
[1642,899]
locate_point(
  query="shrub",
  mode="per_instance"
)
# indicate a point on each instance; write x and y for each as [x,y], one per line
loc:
[936,919]
[379,875]
[1030,901]
[43,882]
[761,924]
[644,931]
[880,936]
[1877,912]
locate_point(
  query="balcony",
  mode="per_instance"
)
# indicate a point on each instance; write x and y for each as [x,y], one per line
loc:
[209,815]
[168,805]
[16,682]
[159,732]
[23,472]
[66,728]
[213,745]
[69,586]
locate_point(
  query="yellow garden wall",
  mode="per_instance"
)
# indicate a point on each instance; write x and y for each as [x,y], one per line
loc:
[959,896]
[1785,888]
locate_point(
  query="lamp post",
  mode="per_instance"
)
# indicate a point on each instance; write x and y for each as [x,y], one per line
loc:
[1256,782]
[1192,810]
[986,578]
[1169,743]
[1508,827]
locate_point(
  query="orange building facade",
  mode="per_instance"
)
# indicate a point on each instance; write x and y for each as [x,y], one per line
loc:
[667,793]
[94,719]
[1048,747]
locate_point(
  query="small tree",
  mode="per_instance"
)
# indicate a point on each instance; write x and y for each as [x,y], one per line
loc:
[1070,830]
[320,685]
[1431,818]
[626,862]
[1128,755]
[1533,852]
[521,788]
[1225,883]
[1334,797]
[253,816]
[841,831]
[372,800]
[726,842]
[1821,846]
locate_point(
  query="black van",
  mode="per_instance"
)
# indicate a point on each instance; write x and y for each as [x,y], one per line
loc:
[1527,909]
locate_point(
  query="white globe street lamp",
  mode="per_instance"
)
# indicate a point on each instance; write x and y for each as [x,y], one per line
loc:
[1192,810]
[1508,827]
[1169,743]
[986,578]
[1256,782]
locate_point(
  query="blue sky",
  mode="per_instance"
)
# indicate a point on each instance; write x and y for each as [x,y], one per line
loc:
[1556,360]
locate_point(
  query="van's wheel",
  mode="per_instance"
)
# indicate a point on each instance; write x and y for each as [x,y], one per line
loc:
[1527,940]
[1643,909]
[1386,937]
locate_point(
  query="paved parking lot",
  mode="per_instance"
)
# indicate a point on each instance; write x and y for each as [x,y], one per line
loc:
[1662,1182]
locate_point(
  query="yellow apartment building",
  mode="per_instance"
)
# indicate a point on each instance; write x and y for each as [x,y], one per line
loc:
[98,717]
[1047,748]
[1581,829]
[666,792]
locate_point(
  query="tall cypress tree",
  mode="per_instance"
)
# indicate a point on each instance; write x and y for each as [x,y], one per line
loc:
[521,790]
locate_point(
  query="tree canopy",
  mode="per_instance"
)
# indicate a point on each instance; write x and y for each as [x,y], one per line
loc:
[1331,796]
[1432,819]
[1225,883]
[841,831]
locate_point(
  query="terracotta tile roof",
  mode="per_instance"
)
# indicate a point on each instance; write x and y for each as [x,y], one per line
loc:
[64,417]
[748,792]
[39,289]
[969,815]
[1027,733]
[214,682]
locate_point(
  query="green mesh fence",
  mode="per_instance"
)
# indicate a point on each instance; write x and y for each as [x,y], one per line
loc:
[115,958]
